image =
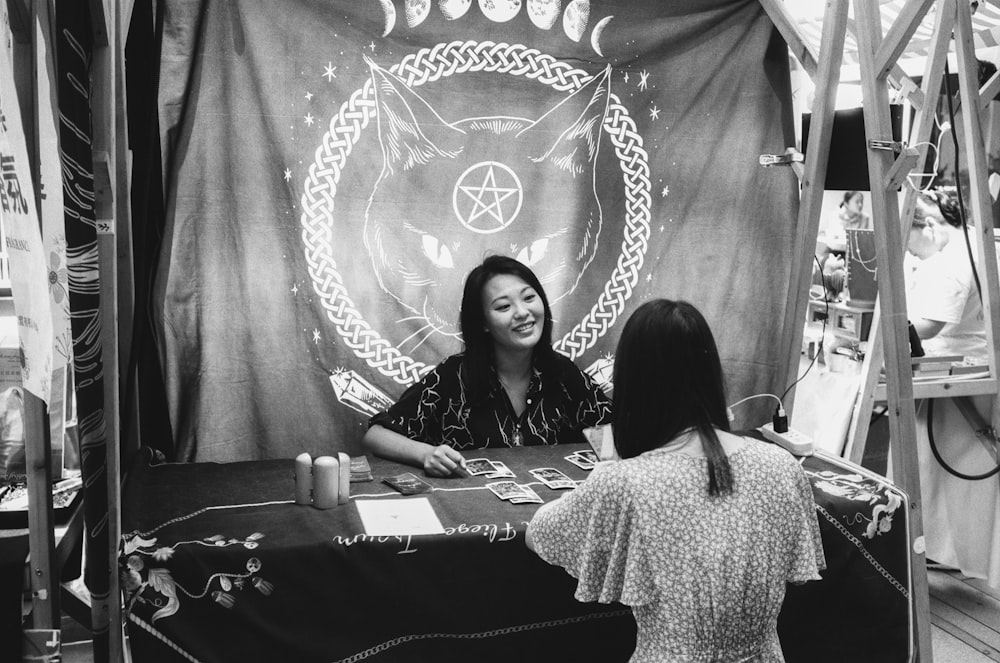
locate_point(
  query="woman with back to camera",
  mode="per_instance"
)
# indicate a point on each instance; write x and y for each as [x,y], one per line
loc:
[508,388]
[696,529]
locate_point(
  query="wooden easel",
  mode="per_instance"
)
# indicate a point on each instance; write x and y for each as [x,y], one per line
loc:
[889,164]
[951,17]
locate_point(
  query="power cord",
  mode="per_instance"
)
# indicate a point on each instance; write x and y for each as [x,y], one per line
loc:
[937,454]
[958,184]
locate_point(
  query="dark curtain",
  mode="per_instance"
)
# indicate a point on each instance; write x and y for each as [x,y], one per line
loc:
[142,53]
[334,168]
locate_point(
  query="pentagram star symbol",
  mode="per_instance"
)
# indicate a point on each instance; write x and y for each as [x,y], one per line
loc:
[487,197]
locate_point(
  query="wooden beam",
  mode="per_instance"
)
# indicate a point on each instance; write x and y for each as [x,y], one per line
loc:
[892,304]
[980,207]
[898,37]
[907,87]
[901,168]
[920,133]
[989,90]
[41,532]
[813,180]
[789,29]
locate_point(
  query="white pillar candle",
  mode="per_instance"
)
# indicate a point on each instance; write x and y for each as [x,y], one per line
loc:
[343,496]
[303,478]
[326,482]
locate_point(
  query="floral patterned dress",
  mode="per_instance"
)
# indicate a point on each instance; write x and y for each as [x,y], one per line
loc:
[705,576]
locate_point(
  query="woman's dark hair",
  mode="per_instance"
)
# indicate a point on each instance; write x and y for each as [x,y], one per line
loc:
[668,379]
[847,197]
[472,319]
[945,204]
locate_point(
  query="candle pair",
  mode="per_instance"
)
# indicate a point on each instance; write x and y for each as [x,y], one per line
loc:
[324,482]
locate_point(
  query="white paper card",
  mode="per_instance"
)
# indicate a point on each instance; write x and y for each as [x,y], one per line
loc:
[394,517]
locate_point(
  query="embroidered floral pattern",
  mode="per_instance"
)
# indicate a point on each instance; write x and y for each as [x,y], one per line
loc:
[883,501]
[154,585]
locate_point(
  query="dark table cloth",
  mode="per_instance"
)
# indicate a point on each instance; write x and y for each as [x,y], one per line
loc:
[220,565]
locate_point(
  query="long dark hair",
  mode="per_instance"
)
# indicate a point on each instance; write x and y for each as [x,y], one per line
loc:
[668,379]
[472,319]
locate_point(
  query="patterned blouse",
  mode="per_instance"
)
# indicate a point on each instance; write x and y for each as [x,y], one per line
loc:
[705,576]
[437,409]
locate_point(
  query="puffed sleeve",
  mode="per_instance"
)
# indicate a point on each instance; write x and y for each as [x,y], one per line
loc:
[594,535]
[416,413]
[807,558]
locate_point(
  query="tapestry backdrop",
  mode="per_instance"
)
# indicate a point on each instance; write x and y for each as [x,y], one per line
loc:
[335,167]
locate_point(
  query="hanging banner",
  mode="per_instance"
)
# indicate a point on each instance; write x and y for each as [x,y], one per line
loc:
[29,272]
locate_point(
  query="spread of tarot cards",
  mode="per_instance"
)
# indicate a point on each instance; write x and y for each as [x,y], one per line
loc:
[585,460]
[490,469]
[514,492]
[553,478]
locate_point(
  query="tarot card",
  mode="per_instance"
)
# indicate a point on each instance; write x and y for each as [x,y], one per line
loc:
[506,490]
[553,478]
[408,483]
[588,456]
[530,496]
[580,462]
[502,471]
[475,466]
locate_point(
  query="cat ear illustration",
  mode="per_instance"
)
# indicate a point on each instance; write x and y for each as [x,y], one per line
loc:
[577,134]
[403,115]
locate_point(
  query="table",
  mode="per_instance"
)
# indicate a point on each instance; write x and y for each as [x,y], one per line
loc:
[220,565]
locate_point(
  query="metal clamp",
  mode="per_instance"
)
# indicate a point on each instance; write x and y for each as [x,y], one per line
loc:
[781,159]
[896,146]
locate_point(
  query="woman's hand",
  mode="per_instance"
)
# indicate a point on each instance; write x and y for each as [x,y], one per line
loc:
[443,461]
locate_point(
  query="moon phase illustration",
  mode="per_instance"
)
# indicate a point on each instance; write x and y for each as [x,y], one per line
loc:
[575,19]
[453,9]
[417,11]
[390,16]
[544,13]
[500,11]
[595,36]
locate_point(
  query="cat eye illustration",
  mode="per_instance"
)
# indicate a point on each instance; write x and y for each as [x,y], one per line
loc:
[451,190]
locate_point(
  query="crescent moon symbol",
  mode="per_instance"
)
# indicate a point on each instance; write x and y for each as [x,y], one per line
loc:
[390,16]
[595,36]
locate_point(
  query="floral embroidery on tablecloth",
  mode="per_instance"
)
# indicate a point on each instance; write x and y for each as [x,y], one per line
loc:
[145,582]
[855,487]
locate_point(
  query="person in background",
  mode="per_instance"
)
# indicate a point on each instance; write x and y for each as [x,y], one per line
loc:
[942,300]
[508,388]
[697,529]
[851,215]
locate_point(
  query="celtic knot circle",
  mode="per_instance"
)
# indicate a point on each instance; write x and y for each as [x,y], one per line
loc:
[429,65]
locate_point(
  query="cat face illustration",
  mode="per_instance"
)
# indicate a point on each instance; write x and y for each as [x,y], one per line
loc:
[451,192]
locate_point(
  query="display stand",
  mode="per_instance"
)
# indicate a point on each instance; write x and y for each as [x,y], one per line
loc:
[889,164]
[110,21]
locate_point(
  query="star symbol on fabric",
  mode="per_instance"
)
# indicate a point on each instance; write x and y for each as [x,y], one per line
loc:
[309,119]
[316,336]
[309,96]
[329,72]
[488,214]
[665,192]
[295,289]
[649,277]
[643,80]
[654,113]
[626,77]
[372,46]
[288,174]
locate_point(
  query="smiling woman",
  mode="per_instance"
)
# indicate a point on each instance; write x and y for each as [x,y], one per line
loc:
[508,388]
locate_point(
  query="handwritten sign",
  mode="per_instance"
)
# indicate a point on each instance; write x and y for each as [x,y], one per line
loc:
[492,532]
[29,271]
